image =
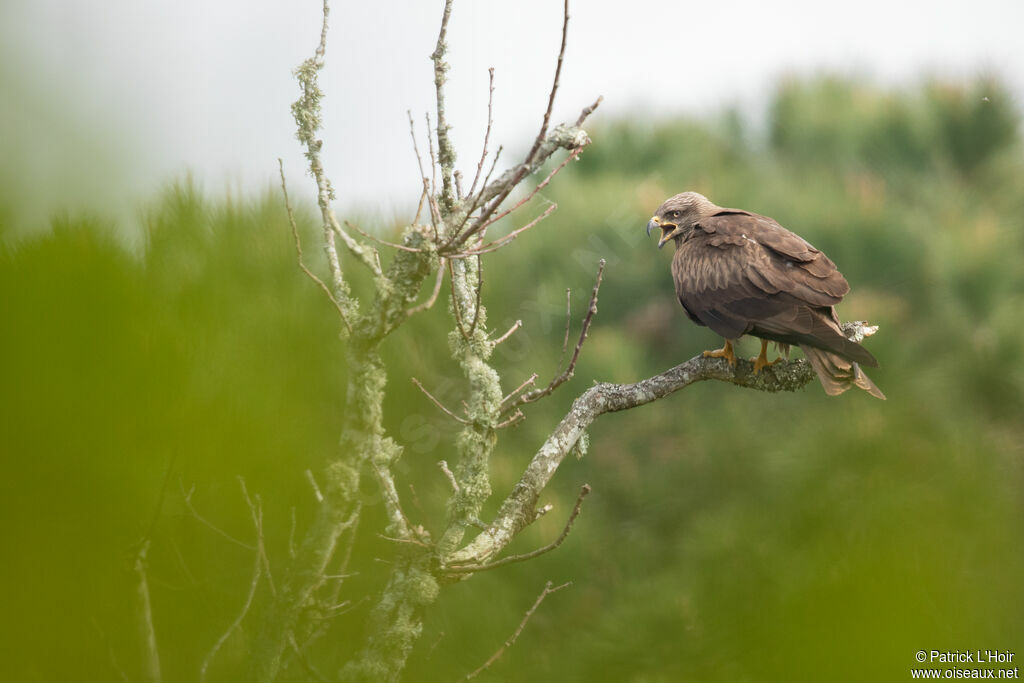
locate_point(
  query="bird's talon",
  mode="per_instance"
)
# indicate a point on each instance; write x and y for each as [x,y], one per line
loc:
[725,352]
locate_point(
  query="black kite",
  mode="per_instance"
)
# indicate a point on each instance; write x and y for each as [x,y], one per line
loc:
[740,273]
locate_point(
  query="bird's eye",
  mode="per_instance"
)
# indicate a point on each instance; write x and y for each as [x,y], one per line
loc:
[673,214]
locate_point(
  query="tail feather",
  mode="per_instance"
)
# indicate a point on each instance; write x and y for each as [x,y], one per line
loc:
[837,374]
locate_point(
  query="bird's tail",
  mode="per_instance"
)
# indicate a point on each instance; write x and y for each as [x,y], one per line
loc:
[838,374]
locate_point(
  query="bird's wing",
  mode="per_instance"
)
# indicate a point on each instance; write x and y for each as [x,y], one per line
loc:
[740,273]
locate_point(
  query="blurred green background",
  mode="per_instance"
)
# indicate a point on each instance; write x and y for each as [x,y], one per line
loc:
[730,536]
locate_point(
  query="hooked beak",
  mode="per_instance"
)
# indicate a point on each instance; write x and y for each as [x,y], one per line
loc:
[667,230]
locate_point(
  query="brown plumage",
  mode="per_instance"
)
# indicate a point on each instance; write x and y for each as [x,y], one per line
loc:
[740,273]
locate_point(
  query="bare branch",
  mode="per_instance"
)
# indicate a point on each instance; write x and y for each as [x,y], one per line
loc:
[530,380]
[554,87]
[445,150]
[515,326]
[487,134]
[316,489]
[516,418]
[438,403]
[384,242]
[416,148]
[587,111]
[584,491]
[298,250]
[433,155]
[549,588]
[568,324]
[187,498]
[502,241]
[483,222]
[570,369]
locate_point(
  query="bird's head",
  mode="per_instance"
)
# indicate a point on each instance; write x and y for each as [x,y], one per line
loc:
[678,215]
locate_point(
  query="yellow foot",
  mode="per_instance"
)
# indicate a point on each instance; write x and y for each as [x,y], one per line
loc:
[762,361]
[725,352]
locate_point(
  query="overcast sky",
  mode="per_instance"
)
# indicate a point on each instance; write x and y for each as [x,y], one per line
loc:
[205,85]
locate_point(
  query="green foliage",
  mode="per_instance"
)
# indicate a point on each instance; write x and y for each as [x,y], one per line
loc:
[731,535]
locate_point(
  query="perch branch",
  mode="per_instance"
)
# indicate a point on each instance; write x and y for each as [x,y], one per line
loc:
[517,511]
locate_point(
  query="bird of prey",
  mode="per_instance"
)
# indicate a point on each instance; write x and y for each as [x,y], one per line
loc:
[740,273]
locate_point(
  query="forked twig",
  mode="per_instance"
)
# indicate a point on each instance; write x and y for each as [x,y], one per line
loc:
[502,241]
[470,569]
[530,380]
[482,223]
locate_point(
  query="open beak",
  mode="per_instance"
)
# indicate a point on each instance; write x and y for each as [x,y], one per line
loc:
[667,230]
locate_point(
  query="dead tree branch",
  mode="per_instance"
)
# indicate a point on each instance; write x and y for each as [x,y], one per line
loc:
[517,511]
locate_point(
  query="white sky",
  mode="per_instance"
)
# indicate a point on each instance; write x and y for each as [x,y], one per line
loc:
[205,85]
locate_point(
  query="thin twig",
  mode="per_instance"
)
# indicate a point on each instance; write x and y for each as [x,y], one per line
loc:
[298,250]
[257,572]
[433,156]
[515,326]
[316,489]
[438,403]
[584,491]
[187,497]
[549,588]
[412,541]
[433,296]
[487,135]
[482,223]
[587,111]
[502,241]
[571,368]
[516,418]
[384,242]
[568,324]
[415,147]
[554,87]
[458,185]
[532,378]
[451,477]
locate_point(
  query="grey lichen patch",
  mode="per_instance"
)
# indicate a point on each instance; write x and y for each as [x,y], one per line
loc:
[421,587]
[581,446]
